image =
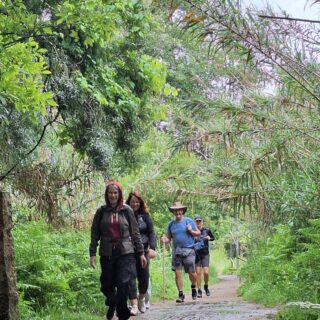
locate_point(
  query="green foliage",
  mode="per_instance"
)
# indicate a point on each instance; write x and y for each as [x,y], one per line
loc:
[284,267]
[21,82]
[53,270]
[296,313]
[108,111]
[23,65]
[223,146]
[87,59]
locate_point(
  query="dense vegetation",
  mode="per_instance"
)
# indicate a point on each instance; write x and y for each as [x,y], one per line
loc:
[197,101]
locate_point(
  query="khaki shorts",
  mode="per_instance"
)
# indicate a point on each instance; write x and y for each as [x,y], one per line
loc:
[186,260]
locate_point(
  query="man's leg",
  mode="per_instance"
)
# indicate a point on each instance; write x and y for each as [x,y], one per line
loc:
[178,277]
[193,280]
[177,268]
[190,268]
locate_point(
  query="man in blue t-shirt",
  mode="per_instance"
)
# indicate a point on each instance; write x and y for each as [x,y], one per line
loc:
[182,231]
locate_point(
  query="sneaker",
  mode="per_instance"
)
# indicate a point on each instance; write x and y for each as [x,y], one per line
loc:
[199,293]
[134,310]
[207,291]
[181,298]
[147,303]
[142,305]
[110,312]
[194,293]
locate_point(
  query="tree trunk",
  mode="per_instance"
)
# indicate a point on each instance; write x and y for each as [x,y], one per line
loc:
[8,291]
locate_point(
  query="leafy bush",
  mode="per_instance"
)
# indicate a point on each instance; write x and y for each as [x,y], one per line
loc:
[297,313]
[53,270]
[285,267]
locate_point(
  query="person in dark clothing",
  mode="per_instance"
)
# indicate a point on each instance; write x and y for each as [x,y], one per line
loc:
[116,230]
[148,237]
[203,257]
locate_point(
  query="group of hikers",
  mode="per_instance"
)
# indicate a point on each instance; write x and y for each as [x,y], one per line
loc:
[125,234]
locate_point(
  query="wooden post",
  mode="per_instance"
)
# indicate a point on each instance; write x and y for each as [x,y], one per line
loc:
[163,271]
[8,290]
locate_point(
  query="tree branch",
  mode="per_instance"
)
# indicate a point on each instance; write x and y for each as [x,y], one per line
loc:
[4,176]
[288,18]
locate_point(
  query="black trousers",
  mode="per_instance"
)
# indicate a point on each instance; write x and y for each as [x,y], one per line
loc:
[143,275]
[117,272]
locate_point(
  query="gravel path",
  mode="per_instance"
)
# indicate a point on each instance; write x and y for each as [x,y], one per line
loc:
[223,304]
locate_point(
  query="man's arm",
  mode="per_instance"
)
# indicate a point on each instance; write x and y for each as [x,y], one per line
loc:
[192,229]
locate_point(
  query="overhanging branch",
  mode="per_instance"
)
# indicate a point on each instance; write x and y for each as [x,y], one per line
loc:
[5,175]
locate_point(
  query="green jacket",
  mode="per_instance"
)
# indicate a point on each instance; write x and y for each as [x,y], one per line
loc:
[130,240]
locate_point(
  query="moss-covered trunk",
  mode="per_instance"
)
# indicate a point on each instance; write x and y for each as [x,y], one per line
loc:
[8,291]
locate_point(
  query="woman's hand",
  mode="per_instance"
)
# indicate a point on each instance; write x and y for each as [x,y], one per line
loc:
[143,261]
[93,261]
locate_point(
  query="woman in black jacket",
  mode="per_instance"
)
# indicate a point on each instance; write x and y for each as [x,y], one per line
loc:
[116,230]
[148,238]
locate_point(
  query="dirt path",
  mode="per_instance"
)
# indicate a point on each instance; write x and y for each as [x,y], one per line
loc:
[223,304]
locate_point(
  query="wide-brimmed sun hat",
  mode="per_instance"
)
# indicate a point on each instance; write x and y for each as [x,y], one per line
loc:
[176,206]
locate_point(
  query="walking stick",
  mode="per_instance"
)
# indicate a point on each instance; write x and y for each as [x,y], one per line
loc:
[163,270]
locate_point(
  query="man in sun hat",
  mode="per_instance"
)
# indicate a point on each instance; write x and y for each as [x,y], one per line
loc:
[202,256]
[182,231]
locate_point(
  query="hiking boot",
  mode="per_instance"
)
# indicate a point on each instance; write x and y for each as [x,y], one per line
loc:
[142,305]
[207,290]
[181,298]
[194,293]
[199,293]
[134,310]
[110,312]
[147,305]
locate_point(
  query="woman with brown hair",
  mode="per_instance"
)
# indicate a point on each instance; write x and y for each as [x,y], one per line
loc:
[116,230]
[148,238]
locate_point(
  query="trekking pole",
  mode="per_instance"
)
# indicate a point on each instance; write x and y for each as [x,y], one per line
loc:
[163,270]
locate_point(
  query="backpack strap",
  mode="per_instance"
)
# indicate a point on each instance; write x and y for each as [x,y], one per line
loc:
[169,226]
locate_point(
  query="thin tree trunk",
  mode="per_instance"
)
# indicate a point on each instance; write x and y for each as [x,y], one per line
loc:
[8,290]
